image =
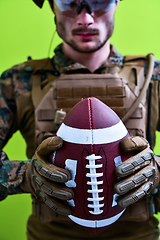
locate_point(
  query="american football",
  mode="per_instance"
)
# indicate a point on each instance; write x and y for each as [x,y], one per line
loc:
[91,132]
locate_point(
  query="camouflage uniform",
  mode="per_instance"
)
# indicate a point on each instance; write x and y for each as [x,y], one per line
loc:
[17,113]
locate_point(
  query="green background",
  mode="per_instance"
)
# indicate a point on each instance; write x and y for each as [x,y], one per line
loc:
[25,30]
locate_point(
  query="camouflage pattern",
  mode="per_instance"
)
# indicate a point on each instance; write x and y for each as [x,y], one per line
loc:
[64,64]
[156,71]
[15,83]
[11,175]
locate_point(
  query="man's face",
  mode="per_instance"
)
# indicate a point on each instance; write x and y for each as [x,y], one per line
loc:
[87,31]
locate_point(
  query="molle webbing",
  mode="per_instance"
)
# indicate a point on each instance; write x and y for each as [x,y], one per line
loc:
[108,88]
[69,89]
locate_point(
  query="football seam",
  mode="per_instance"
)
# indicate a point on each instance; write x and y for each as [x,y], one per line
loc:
[91,124]
[95,196]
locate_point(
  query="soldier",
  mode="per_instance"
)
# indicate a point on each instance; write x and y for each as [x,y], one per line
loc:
[32,92]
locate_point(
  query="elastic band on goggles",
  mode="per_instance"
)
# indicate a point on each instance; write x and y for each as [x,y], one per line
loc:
[77,5]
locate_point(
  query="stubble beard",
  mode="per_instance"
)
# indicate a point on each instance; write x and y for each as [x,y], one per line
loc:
[98,45]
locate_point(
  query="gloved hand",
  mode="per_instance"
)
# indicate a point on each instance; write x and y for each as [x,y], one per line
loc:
[139,174]
[46,180]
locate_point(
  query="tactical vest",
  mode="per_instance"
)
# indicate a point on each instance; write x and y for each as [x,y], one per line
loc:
[124,90]
[119,89]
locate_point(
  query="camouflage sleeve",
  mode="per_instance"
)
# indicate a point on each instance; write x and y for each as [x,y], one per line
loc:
[11,175]
[156,71]
[13,83]
[7,106]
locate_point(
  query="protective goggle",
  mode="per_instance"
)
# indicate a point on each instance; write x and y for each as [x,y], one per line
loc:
[73,7]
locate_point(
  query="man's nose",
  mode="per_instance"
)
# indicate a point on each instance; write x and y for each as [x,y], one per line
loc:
[84,18]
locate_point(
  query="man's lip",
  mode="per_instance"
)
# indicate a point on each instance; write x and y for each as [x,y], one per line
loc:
[85,35]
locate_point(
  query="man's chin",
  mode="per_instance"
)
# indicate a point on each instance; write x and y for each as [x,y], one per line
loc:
[86,47]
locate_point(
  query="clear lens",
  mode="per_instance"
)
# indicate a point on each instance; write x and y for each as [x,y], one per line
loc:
[66,5]
[72,5]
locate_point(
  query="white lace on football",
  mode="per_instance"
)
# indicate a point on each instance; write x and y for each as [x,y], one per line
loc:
[94,183]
